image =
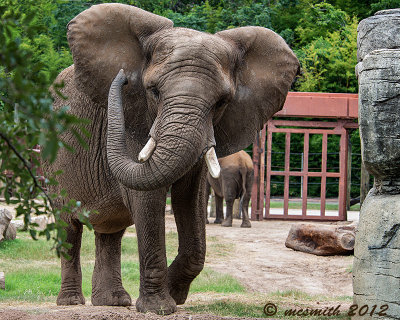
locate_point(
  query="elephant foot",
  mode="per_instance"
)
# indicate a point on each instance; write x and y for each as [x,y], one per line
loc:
[179,293]
[227,223]
[217,221]
[111,298]
[70,298]
[245,224]
[161,303]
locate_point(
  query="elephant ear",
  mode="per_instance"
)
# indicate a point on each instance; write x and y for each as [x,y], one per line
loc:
[106,38]
[265,72]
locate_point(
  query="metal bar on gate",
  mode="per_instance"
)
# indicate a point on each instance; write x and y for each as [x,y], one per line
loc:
[306,124]
[262,175]
[255,191]
[305,176]
[311,131]
[310,174]
[343,172]
[323,170]
[268,175]
[287,175]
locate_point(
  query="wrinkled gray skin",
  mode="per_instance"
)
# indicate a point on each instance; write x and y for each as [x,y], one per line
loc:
[235,182]
[189,91]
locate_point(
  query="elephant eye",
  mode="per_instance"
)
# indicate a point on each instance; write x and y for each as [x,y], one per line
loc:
[220,104]
[155,92]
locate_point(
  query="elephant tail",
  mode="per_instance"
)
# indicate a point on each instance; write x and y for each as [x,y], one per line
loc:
[243,174]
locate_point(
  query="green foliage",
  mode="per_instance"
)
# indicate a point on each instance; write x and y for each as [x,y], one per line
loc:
[384,4]
[195,19]
[205,17]
[29,64]
[328,62]
[318,20]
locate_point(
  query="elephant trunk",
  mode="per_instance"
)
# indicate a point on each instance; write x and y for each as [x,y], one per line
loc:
[165,158]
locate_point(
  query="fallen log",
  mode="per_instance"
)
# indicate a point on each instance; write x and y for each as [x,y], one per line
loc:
[322,240]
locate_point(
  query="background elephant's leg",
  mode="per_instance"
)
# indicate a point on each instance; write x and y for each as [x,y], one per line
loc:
[190,207]
[229,212]
[246,199]
[245,213]
[71,275]
[107,289]
[149,216]
[219,209]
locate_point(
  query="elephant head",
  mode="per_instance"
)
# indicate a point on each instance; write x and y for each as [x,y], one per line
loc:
[199,90]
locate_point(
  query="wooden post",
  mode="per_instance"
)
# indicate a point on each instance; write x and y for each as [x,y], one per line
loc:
[257,193]
[364,187]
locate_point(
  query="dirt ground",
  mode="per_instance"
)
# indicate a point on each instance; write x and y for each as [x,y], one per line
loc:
[259,260]
[262,263]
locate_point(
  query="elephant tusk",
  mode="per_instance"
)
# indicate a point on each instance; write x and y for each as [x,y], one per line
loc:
[147,150]
[212,163]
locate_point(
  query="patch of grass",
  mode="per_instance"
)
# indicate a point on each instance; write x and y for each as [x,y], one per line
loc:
[212,281]
[293,295]
[228,308]
[217,248]
[39,284]
[284,310]
[33,271]
[296,295]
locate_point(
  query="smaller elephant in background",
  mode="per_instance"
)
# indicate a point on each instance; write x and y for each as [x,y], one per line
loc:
[235,182]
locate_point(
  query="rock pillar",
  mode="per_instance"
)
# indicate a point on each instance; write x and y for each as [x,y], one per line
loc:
[376,270]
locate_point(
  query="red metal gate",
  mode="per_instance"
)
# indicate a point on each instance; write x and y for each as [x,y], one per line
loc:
[343,107]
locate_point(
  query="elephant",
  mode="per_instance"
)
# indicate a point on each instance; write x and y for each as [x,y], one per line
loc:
[234,182]
[163,103]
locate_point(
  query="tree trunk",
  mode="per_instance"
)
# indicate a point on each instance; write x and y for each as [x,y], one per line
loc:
[321,240]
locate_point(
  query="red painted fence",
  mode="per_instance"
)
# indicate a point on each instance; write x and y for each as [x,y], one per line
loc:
[343,110]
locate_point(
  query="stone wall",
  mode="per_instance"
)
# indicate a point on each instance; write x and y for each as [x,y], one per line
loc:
[376,270]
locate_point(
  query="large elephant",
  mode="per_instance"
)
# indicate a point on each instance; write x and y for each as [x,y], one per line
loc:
[234,182]
[186,93]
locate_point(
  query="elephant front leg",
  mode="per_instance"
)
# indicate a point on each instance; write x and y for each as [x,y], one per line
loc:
[149,216]
[190,208]
[107,289]
[71,274]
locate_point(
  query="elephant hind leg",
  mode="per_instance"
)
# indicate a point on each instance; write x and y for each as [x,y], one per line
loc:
[245,214]
[246,199]
[219,209]
[71,274]
[229,212]
[107,289]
